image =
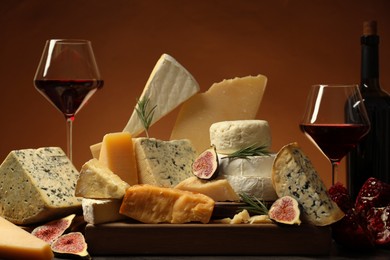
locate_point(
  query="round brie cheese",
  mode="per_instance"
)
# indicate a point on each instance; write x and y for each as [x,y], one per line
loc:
[231,136]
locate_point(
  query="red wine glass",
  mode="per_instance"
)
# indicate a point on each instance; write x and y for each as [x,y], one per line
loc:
[335,120]
[67,75]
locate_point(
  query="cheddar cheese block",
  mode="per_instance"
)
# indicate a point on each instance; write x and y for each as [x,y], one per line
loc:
[232,99]
[16,243]
[218,190]
[37,185]
[294,175]
[151,204]
[163,163]
[117,154]
[98,182]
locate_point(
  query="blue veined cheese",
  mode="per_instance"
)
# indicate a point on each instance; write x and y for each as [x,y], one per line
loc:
[294,175]
[37,185]
[163,163]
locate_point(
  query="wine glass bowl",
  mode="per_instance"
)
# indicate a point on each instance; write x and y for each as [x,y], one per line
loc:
[67,76]
[335,120]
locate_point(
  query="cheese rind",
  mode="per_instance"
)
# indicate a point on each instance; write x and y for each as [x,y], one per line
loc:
[37,185]
[16,243]
[163,163]
[151,204]
[101,211]
[231,136]
[117,154]
[233,99]
[169,85]
[218,190]
[250,175]
[96,181]
[294,175]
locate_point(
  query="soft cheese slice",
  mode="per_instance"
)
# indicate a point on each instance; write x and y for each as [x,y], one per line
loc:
[16,243]
[97,211]
[163,163]
[37,185]
[151,204]
[96,181]
[294,175]
[231,136]
[218,190]
[233,99]
[169,85]
[117,154]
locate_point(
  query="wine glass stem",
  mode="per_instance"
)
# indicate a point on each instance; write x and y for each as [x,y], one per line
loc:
[69,136]
[335,165]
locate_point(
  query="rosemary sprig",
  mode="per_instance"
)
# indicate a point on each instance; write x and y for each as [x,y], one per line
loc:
[145,115]
[251,150]
[254,205]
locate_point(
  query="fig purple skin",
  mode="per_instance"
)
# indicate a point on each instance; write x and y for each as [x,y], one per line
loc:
[206,165]
[70,245]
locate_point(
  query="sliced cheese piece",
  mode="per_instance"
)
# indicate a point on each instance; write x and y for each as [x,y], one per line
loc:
[16,243]
[151,204]
[101,211]
[233,99]
[218,190]
[117,154]
[250,175]
[231,136]
[37,185]
[294,175]
[163,163]
[169,85]
[98,182]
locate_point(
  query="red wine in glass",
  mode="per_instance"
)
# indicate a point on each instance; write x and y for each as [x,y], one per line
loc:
[68,95]
[335,119]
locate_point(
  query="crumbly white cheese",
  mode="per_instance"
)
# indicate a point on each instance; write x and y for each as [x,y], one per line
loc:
[231,136]
[294,175]
[37,185]
[101,211]
[163,163]
[251,175]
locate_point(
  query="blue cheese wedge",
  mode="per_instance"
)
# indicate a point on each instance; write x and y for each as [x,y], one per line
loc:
[294,175]
[163,163]
[37,185]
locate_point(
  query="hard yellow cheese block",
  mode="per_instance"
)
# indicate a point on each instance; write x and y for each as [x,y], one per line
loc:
[232,99]
[117,154]
[16,243]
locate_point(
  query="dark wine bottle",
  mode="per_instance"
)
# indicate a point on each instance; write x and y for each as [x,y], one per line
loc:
[371,158]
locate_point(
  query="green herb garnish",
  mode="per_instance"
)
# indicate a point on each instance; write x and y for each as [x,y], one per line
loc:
[254,205]
[252,150]
[145,115]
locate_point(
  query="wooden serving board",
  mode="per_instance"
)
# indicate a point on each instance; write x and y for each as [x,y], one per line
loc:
[124,238]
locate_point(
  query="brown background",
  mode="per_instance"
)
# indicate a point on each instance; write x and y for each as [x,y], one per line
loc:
[294,43]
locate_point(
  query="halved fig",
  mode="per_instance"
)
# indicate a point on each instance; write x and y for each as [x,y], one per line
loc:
[70,245]
[206,165]
[52,230]
[285,210]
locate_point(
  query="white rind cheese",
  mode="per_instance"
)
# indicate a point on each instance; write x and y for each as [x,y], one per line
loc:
[251,175]
[294,175]
[163,163]
[101,211]
[231,136]
[169,85]
[37,185]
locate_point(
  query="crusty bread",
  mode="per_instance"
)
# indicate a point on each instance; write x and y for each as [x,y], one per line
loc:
[293,174]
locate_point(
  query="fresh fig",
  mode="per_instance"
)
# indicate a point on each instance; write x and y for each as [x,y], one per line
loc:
[206,165]
[70,245]
[285,210]
[52,230]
